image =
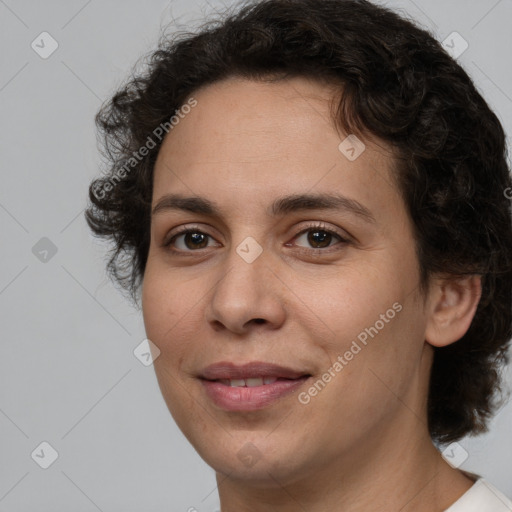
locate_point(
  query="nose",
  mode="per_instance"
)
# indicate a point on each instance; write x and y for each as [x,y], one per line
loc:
[246,296]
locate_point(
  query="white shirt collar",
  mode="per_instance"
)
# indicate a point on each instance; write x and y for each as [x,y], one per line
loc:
[481,497]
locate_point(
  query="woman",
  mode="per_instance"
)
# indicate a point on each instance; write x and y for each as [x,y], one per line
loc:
[309,199]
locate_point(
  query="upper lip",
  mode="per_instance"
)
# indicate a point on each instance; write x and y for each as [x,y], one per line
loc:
[229,370]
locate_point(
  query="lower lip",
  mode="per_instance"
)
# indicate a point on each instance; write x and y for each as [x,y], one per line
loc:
[249,399]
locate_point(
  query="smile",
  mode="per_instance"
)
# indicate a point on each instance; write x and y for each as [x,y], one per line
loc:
[250,394]
[250,382]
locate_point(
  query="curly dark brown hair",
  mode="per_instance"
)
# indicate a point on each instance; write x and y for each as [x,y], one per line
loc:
[399,85]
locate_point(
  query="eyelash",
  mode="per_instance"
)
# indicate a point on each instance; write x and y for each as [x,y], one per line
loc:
[312,227]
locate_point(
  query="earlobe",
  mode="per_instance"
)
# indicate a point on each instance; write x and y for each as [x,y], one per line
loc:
[453,303]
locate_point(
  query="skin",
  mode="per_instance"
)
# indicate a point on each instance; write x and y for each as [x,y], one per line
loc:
[362,442]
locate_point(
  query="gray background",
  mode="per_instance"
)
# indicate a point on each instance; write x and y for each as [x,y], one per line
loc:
[68,375]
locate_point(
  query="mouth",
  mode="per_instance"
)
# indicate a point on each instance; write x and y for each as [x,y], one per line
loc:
[251,386]
[250,382]
[228,371]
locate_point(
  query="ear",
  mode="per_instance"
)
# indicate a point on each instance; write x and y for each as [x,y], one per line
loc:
[452,306]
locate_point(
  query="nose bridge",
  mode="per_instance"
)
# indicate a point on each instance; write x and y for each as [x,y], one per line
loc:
[245,291]
[245,268]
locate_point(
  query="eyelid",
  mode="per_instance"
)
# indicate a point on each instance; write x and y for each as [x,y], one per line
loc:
[183,230]
[321,226]
[344,240]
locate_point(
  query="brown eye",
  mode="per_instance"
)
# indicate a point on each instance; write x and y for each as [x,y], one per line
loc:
[195,240]
[319,238]
[189,240]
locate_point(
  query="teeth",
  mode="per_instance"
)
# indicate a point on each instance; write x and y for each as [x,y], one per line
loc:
[250,382]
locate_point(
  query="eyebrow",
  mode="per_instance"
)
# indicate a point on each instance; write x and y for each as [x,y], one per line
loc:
[280,207]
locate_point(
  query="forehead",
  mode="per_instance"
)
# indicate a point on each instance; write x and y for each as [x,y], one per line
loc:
[256,139]
[238,113]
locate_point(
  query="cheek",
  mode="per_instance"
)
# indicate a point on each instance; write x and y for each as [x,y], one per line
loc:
[161,309]
[154,306]
[172,312]
[164,312]
[374,322]
[373,380]
[354,301]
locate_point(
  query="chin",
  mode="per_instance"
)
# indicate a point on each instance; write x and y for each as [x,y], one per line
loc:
[259,461]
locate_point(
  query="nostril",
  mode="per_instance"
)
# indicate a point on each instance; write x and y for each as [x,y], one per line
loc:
[259,320]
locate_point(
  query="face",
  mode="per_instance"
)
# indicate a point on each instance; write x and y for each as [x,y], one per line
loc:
[327,291]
